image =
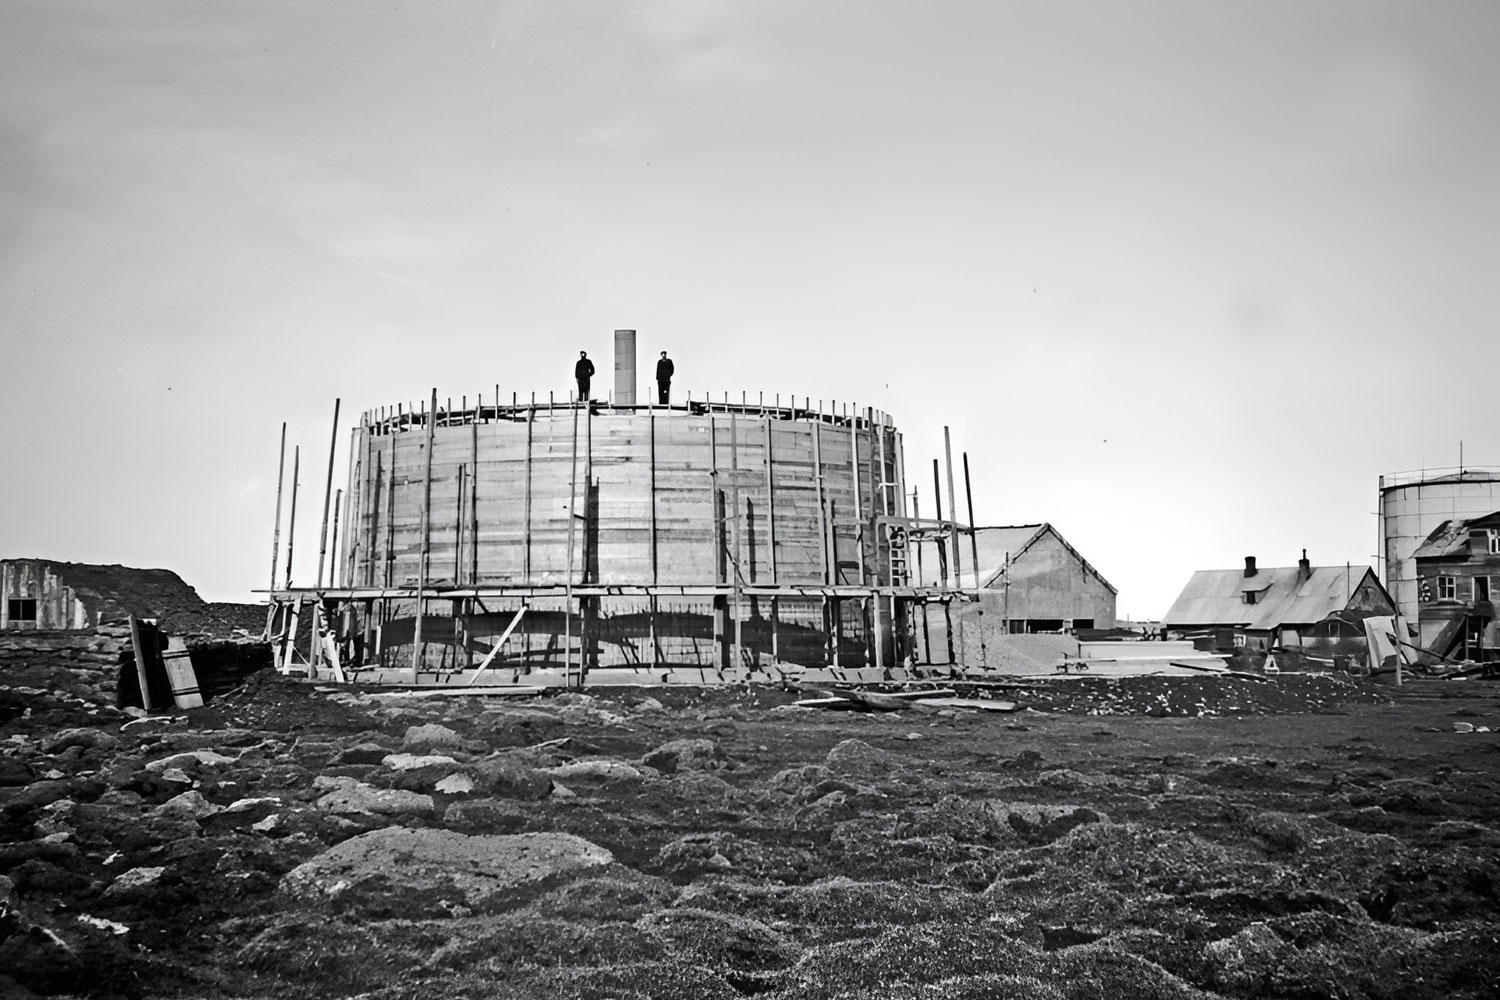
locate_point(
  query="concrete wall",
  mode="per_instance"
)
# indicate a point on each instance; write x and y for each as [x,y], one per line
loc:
[1048,581]
[57,607]
[653,492]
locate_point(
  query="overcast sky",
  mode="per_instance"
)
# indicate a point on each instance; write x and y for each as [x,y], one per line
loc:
[1184,278]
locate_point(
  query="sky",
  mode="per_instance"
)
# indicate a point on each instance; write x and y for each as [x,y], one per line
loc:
[1184,279]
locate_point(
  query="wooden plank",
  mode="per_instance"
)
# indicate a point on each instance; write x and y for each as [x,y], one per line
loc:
[140,663]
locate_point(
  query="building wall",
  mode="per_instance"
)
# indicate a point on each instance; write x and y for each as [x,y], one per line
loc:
[1410,508]
[644,495]
[1049,582]
[1436,613]
[30,579]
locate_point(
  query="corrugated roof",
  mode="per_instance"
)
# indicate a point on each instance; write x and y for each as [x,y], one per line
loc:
[1446,539]
[1216,597]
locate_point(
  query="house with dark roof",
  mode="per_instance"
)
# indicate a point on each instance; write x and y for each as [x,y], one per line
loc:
[1458,582]
[1258,609]
[45,595]
[1030,578]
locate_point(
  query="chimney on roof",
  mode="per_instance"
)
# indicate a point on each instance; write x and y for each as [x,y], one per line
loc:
[1304,568]
[1250,569]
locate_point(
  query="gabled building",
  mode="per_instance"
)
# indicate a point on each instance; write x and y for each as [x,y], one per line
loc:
[1258,609]
[1458,581]
[1031,579]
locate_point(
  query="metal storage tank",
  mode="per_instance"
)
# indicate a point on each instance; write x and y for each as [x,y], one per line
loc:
[1412,504]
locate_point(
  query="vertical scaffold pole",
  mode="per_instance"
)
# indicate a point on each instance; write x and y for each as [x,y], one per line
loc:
[276,530]
[291,523]
[333,444]
[416,642]
[974,548]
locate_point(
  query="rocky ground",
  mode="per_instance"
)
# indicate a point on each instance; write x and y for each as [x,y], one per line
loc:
[1138,838]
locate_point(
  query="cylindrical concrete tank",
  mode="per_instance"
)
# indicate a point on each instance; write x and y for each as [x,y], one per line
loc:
[616,495]
[1412,504]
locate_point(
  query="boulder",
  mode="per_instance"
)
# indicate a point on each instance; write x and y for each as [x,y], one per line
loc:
[509,778]
[365,799]
[475,868]
[190,804]
[190,759]
[412,762]
[455,784]
[431,736]
[487,815]
[86,738]
[15,772]
[611,770]
[685,755]
[362,753]
[133,880]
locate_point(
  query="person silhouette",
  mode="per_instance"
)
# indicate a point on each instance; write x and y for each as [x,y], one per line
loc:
[664,370]
[583,371]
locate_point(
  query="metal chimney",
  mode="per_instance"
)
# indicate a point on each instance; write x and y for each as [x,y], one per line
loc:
[624,367]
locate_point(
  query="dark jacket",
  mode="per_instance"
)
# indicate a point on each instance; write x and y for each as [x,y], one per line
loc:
[664,370]
[584,368]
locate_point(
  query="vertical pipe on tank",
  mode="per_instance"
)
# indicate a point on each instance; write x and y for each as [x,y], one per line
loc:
[624,367]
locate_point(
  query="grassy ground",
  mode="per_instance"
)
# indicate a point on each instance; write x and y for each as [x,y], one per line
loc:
[759,849]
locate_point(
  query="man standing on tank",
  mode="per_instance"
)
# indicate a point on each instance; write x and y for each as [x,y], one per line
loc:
[664,369]
[583,371]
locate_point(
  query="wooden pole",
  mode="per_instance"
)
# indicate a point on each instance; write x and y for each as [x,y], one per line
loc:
[291,524]
[974,548]
[859,500]
[771,506]
[426,551]
[942,547]
[474,494]
[333,444]
[817,450]
[958,578]
[276,532]
[526,493]
[572,519]
[333,541]
[655,569]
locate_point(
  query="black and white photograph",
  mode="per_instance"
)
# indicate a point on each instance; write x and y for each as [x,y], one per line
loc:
[705,499]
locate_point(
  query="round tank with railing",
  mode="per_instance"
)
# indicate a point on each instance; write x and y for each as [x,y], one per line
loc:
[1412,504]
[550,494]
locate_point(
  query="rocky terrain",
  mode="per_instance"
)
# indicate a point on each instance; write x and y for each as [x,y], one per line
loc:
[1151,837]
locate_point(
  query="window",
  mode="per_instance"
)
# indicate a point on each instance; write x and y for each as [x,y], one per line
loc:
[1481,588]
[1447,588]
[1249,597]
[1239,640]
[21,611]
[1494,537]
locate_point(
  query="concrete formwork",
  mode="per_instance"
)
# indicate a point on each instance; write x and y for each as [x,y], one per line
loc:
[572,536]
